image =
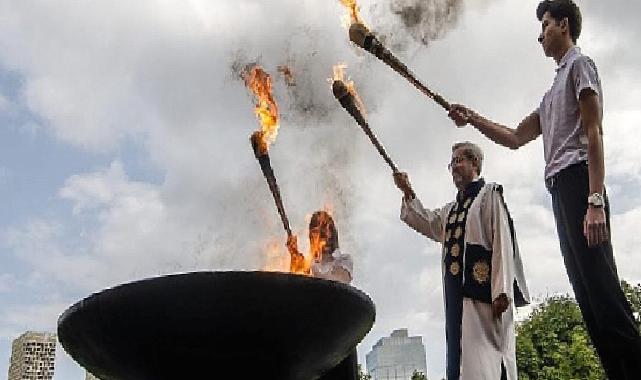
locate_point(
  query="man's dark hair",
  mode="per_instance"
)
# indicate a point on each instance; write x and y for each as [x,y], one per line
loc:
[560,9]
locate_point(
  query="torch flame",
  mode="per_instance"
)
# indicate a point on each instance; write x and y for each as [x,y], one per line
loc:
[300,265]
[279,260]
[276,260]
[278,257]
[353,9]
[260,84]
[339,75]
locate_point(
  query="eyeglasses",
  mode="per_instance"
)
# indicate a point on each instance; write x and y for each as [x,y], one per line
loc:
[455,161]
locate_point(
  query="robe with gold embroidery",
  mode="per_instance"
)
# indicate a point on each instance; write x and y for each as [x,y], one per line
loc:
[480,261]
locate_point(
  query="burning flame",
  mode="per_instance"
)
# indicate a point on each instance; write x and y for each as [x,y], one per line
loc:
[278,258]
[321,233]
[353,16]
[339,75]
[300,265]
[260,84]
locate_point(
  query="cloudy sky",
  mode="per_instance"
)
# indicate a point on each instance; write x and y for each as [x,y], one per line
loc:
[124,150]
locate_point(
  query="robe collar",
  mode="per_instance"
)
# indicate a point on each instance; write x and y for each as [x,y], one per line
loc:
[471,190]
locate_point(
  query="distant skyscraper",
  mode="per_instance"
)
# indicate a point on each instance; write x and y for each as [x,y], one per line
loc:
[396,357]
[32,356]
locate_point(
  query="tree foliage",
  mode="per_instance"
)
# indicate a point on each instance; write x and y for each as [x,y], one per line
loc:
[633,294]
[553,344]
[417,375]
[362,375]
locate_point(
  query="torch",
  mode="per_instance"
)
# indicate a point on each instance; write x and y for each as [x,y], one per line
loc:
[361,36]
[348,101]
[260,84]
[262,155]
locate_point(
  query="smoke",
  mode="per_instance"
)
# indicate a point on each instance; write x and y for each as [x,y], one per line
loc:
[175,90]
[427,20]
[313,156]
[302,73]
[420,21]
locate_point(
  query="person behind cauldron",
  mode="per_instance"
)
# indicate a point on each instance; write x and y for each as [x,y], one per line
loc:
[330,264]
[327,260]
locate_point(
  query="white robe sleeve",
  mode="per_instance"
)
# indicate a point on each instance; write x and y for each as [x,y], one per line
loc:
[502,249]
[427,222]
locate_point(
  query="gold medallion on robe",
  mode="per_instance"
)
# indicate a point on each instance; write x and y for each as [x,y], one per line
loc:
[481,271]
[455,268]
[448,234]
[455,250]
[461,216]
[467,203]
[458,232]
[452,218]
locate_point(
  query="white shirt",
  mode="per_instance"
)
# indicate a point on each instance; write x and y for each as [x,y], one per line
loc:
[564,140]
[325,269]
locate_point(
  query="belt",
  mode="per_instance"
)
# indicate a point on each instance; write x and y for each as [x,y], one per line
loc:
[553,179]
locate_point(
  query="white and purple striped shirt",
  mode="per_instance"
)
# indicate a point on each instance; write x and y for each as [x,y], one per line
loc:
[564,140]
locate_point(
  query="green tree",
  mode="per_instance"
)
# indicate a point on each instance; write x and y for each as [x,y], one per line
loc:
[553,344]
[633,293]
[362,375]
[418,376]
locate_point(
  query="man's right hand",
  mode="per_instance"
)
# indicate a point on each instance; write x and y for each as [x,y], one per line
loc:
[402,181]
[460,115]
[499,305]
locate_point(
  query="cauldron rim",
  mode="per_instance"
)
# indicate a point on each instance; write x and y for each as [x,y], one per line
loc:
[107,301]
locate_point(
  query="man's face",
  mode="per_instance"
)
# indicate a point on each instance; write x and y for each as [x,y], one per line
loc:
[551,34]
[462,168]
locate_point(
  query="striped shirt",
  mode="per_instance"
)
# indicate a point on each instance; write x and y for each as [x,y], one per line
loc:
[564,140]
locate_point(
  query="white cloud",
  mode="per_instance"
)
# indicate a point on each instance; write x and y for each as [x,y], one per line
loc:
[17,319]
[625,237]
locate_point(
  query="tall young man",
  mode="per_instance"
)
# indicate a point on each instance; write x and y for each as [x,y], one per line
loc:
[569,119]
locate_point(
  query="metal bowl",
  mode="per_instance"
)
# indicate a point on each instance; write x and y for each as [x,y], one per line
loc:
[217,325]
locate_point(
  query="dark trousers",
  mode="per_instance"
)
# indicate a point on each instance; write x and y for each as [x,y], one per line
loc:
[593,275]
[345,370]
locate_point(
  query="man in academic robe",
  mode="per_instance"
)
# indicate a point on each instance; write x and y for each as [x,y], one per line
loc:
[482,272]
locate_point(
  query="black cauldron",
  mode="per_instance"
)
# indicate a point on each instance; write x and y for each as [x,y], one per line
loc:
[217,325]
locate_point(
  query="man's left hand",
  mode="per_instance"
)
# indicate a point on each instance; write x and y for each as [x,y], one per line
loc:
[499,305]
[595,227]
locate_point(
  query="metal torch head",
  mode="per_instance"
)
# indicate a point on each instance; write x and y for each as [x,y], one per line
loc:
[258,144]
[339,89]
[358,33]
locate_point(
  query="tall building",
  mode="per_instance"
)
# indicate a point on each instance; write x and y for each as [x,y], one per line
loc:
[396,357]
[32,356]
